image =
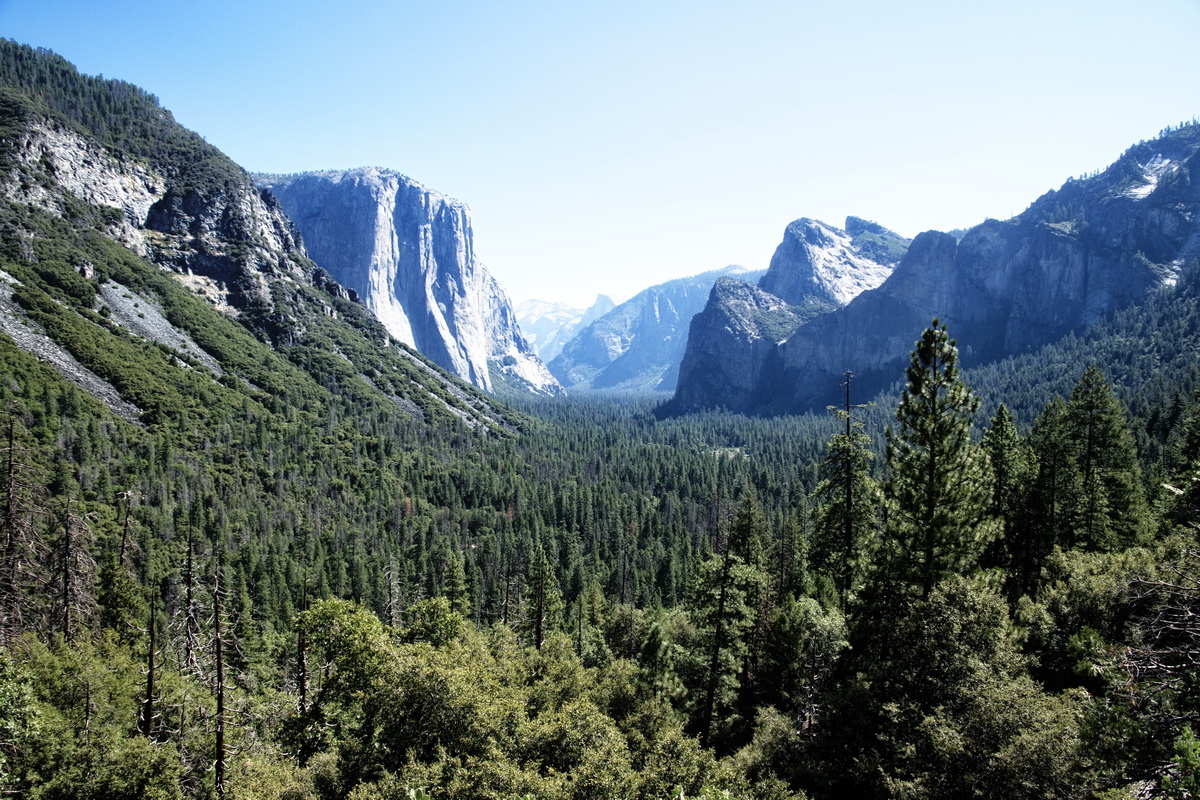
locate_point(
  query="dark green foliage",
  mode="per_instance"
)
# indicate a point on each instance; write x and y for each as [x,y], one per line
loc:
[1014,470]
[1145,726]
[1053,493]
[848,502]
[947,711]
[19,719]
[1110,510]
[939,481]
[118,114]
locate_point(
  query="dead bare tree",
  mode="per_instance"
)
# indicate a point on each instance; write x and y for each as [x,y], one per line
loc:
[1154,678]
[24,549]
[74,568]
[1163,663]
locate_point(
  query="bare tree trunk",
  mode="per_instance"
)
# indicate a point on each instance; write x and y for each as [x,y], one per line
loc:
[218,648]
[191,623]
[302,654]
[148,707]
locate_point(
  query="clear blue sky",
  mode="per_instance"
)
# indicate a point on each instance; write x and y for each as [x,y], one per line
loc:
[604,147]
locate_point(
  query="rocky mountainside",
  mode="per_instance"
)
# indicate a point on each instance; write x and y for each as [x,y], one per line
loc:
[409,253]
[730,354]
[1007,287]
[816,261]
[548,326]
[148,269]
[733,342]
[639,345]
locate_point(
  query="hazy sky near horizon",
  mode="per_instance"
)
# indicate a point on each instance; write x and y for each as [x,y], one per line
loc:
[606,147]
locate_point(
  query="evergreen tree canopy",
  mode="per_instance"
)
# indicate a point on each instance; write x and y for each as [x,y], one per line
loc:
[1110,508]
[1014,468]
[939,482]
[848,500]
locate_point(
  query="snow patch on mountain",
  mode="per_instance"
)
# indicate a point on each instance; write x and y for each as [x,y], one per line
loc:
[548,326]
[1152,172]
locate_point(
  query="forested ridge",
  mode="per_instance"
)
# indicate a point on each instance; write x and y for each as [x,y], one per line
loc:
[316,572]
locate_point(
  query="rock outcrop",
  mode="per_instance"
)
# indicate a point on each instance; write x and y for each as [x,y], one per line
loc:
[1076,254]
[816,261]
[731,355]
[103,190]
[732,342]
[409,253]
[223,239]
[638,346]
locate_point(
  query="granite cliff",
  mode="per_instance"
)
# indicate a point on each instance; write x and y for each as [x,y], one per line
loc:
[732,342]
[409,253]
[819,262]
[732,353]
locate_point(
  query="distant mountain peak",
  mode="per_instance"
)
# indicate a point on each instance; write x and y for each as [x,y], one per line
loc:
[816,261]
[639,344]
[549,325]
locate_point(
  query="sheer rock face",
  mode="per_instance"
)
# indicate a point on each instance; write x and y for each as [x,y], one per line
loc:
[1006,287]
[732,352]
[731,344]
[638,346]
[409,254]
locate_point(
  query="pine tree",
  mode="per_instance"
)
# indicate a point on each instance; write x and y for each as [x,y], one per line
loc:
[455,587]
[848,501]
[1110,510]
[1057,483]
[73,568]
[543,600]
[23,546]
[725,591]
[1014,468]
[939,482]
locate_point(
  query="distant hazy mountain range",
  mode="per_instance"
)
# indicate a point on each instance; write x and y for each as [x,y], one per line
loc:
[548,326]
[638,345]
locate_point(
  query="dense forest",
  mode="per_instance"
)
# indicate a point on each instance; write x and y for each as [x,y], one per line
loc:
[315,572]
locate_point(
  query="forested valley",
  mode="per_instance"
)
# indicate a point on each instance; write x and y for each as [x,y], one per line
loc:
[599,604]
[319,570]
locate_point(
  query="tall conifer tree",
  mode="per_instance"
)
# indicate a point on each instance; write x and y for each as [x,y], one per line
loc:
[1014,468]
[543,599]
[1057,483]
[848,501]
[939,482]
[1110,509]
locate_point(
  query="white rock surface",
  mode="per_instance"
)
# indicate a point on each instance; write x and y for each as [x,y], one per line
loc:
[819,260]
[409,253]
